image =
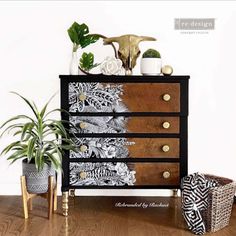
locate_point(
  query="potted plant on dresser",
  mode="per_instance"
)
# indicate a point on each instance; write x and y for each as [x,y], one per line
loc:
[151,62]
[38,144]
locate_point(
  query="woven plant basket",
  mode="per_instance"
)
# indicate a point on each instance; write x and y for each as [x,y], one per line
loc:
[220,200]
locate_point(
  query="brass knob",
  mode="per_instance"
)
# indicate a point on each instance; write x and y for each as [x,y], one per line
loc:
[83,148]
[166,97]
[82,97]
[82,175]
[165,148]
[166,174]
[166,125]
[82,125]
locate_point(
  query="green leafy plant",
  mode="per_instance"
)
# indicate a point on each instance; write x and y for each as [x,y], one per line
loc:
[40,139]
[151,53]
[80,37]
[87,61]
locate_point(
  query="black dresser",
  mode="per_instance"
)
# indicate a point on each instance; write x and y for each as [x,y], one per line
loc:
[131,132]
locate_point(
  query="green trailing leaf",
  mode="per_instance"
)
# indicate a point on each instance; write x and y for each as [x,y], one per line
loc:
[16,118]
[56,163]
[42,113]
[26,127]
[87,61]
[80,37]
[28,102]
[30,148]
[39,139]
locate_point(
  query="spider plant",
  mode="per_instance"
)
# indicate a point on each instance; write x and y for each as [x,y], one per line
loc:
[39,139]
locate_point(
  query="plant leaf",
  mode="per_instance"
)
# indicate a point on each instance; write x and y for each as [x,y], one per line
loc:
[28,102]
[88,39]
[55,162]
[26,127]
[31,148]
[46,105]
[79,35]
[16,118]
[86,61]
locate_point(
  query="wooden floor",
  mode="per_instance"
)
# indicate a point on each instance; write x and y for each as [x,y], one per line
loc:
[95,216]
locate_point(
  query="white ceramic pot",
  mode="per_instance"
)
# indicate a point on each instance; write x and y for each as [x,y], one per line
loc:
[150,66]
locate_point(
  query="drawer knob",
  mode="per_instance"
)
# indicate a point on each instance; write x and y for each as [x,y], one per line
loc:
[82,125]
[166,125]
[166,174]
[165,148]
[83,148]
[82,97]
[166,97]
[82,175]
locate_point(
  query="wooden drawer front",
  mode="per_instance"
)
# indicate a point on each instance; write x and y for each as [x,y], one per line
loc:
[121,174]
[126,147]
[148,97]
[108,124]
[153,125]
[157,173]
[154,147]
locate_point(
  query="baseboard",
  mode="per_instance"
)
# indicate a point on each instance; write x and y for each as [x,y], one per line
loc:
[14,189]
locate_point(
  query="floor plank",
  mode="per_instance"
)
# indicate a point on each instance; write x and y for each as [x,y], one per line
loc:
[100,216]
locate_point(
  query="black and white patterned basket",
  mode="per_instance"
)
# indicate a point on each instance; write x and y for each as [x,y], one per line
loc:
[207,202]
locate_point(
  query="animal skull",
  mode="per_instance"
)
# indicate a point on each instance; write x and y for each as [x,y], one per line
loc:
[128,50]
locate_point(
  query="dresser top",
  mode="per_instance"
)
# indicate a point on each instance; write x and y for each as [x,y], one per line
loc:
[126,79]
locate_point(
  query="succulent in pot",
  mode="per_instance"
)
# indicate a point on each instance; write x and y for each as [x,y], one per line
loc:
[151,62]
[40,142]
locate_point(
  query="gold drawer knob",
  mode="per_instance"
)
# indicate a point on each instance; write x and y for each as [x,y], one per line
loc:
[166,97]
[166,125]
[83,148]
[165,148]
[82,175]
[166,174]
[82,125]
[82,97]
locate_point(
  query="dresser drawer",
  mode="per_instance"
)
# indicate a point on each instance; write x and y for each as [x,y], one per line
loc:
[126,148]
[156,173]
[127,97]
[153,125]
[121,174]
[104,124]
[152,97]
[154,147]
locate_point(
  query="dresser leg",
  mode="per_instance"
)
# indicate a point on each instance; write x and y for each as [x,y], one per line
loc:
[175,192]
[65,201]
[72,192]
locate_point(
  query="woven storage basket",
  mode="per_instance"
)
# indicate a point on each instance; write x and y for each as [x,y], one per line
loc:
[220,200]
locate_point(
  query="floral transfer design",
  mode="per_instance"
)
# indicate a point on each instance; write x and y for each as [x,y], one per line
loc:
[101,174]
[101,124]
[93,97]
[96,97]
[101,148]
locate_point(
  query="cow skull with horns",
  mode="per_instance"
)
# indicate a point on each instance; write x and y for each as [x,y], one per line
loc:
[128,50]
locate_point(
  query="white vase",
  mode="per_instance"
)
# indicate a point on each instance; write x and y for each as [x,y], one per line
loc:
[151,66]
[74,64]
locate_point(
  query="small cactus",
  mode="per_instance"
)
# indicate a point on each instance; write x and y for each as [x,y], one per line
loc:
[151,53]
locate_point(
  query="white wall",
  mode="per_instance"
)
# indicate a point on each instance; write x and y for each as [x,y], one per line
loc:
[35,49]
